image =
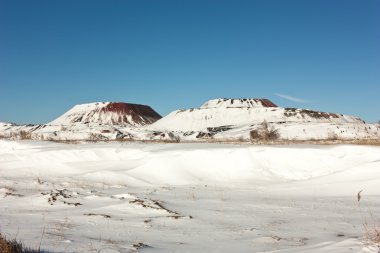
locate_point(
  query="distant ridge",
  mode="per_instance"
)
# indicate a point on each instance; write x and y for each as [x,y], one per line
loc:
[221,119]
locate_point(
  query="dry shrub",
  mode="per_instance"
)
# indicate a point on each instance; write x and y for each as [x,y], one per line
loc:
[21,135]
[375,142]
[9,246]
[372,229]
[66,141]
[264,133]
[13,246]
[24,135]
[254,134]
[93,137]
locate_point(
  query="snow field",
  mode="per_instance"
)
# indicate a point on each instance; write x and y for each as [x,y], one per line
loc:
[129,197]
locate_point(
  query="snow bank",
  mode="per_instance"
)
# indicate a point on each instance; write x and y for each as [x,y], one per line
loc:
[351,167]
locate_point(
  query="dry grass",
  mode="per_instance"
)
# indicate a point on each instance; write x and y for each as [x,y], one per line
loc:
[13,246]
[241,140]
[21,135]
[375,142]
[270,138]
[66,141]
[372,229]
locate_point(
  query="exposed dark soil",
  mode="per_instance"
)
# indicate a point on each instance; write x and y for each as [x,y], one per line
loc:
[142,114]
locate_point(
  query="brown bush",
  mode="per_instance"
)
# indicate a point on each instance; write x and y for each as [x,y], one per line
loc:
[24,135]
[13,246]
[264,133]
[254,134]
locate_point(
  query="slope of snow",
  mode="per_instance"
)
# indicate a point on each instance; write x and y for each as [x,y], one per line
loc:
[112,197]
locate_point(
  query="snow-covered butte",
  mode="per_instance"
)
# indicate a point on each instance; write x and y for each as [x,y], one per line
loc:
[108,113]
[238,112]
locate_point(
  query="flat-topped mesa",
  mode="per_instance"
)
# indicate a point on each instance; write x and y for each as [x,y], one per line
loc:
[247,112]
[109,113]
[238,103]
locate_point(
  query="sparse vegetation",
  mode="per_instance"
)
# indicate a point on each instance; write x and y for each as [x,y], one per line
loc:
[24,135]
[371,225]
[93,137]
[332,136]
[166,137]
[293,112]
[13,246]
[21,135]
[372,230]
[264,133]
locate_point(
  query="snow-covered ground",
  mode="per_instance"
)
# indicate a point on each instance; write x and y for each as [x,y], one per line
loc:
[129,197]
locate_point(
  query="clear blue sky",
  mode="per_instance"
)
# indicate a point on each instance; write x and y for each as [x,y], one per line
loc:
[178,54]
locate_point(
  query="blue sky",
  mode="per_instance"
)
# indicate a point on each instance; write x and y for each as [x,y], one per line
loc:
[319,54]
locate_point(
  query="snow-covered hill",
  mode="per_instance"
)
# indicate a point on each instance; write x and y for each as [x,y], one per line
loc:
[235,119]
[108,113]
[93,121]
[217,119]
[238,112]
